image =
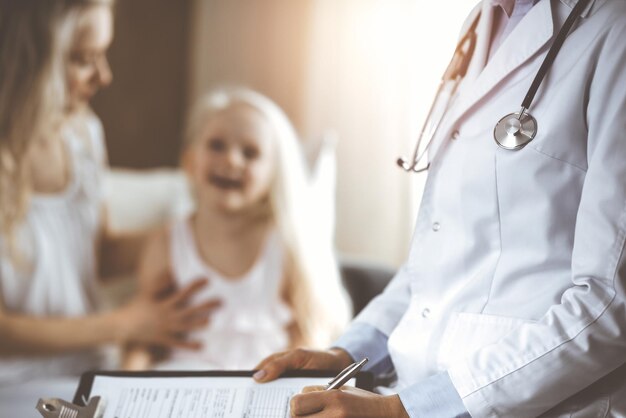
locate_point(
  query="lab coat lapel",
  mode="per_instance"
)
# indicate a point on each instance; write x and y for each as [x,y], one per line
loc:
[477,62]
[526,40]
[483,35]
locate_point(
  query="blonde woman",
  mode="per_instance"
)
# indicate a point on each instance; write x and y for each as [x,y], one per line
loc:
[52,61]
[253,235]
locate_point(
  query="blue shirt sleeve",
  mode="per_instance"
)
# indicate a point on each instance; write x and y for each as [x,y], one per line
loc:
[363,340]
[434,397]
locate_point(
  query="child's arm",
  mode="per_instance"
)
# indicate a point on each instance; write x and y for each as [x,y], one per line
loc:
[153,284]
[296,339]
[294,331]
[154,258]
[137,358]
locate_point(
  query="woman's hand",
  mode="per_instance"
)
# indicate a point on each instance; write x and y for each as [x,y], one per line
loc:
[347,402]
[165,321]
[276,364]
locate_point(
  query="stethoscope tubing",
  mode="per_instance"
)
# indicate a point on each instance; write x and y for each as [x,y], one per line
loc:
[503,137]
[456,70]
[553,52]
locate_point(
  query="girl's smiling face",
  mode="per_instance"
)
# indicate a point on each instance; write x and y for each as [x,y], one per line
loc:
[232,163]
[88,68]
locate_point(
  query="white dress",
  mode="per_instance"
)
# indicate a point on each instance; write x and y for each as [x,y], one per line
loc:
[58,239]
[252,321]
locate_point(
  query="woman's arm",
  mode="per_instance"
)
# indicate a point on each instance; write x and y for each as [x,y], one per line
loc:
[28,335]
[145,320]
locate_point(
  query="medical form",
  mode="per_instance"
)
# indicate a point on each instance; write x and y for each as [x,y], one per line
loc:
[219,395]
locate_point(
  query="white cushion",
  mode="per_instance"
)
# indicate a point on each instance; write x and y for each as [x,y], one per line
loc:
[138,200]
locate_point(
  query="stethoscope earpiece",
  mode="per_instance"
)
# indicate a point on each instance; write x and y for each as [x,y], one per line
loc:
[403,164]
[408,167]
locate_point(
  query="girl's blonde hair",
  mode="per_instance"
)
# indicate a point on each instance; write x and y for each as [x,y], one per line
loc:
[35,36]
[312,285]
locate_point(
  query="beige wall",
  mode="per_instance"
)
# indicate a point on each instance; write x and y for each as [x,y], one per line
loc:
[365,69]
[259,44]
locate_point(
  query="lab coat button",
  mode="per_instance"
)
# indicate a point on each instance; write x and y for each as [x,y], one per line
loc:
[436,226]
[455,134]
[426,313]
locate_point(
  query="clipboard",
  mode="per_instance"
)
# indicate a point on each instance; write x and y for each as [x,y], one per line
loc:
[364,380]
[140,389]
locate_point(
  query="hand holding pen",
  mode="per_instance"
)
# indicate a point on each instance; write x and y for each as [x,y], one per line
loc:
[349,402]
[346,374]
[316,401]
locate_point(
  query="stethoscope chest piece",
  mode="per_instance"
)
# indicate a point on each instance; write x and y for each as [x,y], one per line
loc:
[513,132]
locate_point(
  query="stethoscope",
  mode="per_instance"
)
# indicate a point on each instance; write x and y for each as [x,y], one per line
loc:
[515,130]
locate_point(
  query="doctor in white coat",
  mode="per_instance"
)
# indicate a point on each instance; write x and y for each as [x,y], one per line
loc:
[513,300]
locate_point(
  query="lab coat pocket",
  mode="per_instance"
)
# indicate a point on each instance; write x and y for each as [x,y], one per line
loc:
[598,408]
[466,333]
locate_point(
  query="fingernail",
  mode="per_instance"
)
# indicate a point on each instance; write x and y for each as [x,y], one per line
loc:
[259,375]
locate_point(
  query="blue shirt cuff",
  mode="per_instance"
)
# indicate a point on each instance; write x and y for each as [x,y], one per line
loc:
[434,397]
[362,340]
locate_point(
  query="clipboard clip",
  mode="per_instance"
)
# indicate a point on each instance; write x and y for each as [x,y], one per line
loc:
[58,408]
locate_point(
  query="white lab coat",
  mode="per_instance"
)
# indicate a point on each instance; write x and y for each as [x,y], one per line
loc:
[515,281]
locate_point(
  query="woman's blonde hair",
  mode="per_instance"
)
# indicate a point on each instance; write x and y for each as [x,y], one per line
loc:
[35,37]
[312,285]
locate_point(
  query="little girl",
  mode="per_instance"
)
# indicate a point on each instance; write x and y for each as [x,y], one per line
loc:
[275,277]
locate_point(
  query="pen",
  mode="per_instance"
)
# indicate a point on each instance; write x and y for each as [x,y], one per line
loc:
[346,374]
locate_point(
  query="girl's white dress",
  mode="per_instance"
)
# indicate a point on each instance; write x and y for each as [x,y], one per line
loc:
[252,321]
[58,243]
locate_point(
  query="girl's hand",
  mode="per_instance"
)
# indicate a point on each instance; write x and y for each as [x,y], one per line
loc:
[276,364]
[347,402]
[166,321]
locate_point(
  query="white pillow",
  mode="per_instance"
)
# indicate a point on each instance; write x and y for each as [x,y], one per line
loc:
[137,200]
